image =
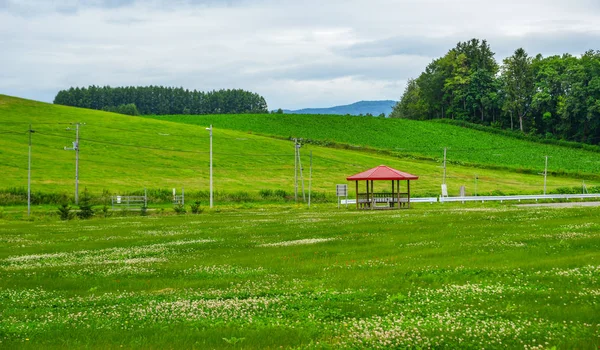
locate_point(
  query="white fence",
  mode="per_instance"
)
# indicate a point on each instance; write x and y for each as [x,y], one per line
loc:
[494,198]
[519,198]
[129,201]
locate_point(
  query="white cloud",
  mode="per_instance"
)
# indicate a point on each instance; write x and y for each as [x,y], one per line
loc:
[296,54]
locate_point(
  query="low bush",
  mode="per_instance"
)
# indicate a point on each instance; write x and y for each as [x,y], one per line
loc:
[65,213]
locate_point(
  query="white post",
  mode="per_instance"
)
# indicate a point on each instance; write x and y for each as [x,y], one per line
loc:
[301,174]
[76,149]
[296,170]
[310,180]
[545,174]
[29,176]
[444,181]
[210,129]
[77,165]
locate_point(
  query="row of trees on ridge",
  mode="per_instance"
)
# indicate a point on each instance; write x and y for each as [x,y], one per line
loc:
[160,100]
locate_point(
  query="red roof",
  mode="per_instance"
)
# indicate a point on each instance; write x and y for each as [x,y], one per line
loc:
[382,172]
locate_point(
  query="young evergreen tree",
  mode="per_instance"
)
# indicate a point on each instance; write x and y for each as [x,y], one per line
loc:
[85,207]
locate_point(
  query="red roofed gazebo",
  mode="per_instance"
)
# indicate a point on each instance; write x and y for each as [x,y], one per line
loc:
[383,200]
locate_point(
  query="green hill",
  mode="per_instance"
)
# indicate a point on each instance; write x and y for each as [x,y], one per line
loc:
[416,138]
[123,154]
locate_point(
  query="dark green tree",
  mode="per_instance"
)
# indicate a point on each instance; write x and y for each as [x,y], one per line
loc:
[517,76]
[85,206]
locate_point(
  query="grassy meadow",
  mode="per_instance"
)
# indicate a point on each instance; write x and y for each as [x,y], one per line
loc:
[448,276]
[409,137]
[122,154]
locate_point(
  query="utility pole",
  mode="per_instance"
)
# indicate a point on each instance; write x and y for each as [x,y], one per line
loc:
[211,164]
[76,149]
[29,174]
[310,180]
[444,181]
[545,174]
[296,170]
[301,173]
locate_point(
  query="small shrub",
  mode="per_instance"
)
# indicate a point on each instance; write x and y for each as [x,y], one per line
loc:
[196,208]
[497,193]
[65,213]
[124,212]
[266,193]
[85,207]
[180,209]
[280,193]
[105,211]
[144,210]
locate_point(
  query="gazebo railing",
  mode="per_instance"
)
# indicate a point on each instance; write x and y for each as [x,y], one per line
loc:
[381,200]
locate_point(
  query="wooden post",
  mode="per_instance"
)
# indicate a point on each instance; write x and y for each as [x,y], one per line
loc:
[367,202]
[372,195]
[398,195]
[393,193]
[408,190]
[357,194]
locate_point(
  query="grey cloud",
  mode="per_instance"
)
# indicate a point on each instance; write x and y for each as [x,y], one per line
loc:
[36,7]
[548,43]
[404,45]
[381,69]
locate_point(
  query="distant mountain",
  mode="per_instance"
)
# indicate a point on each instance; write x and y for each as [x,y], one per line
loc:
[363,107]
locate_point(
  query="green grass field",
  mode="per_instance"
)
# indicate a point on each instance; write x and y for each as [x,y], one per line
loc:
[419,138]
[122,154]
[432,277]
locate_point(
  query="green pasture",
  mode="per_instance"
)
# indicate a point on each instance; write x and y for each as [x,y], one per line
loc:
[409,137]
[449,276]
[122,154]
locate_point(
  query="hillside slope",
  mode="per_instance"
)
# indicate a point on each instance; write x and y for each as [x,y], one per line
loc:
[362,107]
[121,153]
[416,138]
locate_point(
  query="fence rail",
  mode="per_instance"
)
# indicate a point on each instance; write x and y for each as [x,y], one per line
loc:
[519,198]
[129,201]
[494,198]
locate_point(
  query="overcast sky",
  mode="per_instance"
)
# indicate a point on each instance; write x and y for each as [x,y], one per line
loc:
[308,53]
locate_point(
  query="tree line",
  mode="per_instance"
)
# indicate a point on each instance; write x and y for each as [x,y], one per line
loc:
[160,100]
[554,97]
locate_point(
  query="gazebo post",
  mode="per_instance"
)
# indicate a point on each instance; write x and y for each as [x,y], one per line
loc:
[372,195]
[398,194]
[392,193]
[367,202]
[408,190]
[356,194]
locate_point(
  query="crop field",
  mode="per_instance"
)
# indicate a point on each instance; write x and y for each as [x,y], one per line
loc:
[431,277]
[121,154]
[428,139]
